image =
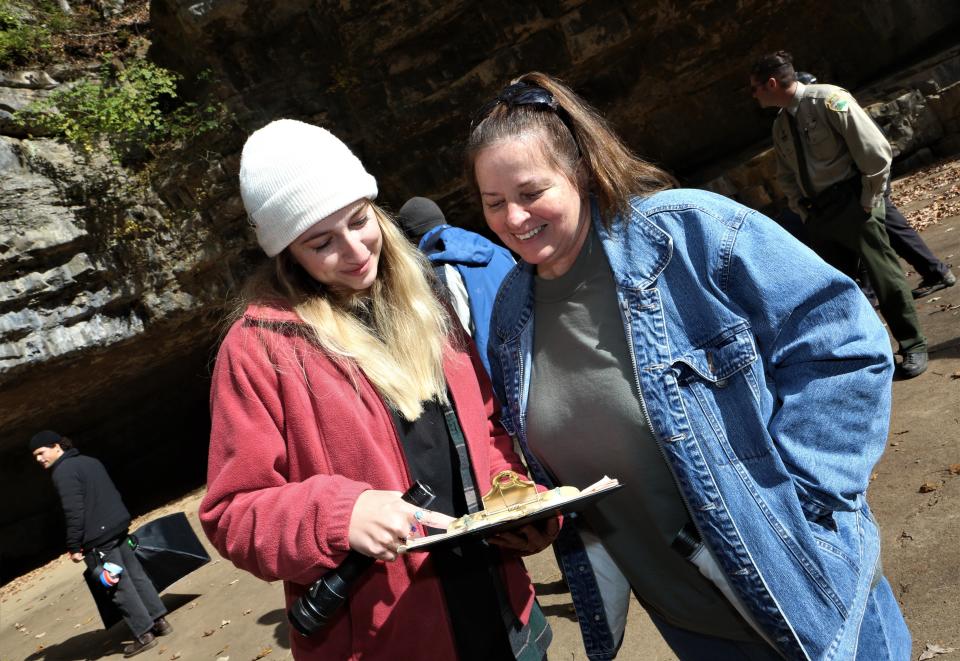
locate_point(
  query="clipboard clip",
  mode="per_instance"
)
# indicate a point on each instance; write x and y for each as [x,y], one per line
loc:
[509,491]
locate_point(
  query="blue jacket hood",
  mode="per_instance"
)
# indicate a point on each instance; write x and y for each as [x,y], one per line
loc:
[446,244]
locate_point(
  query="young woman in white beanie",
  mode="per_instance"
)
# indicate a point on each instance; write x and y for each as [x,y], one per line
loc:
[339,383]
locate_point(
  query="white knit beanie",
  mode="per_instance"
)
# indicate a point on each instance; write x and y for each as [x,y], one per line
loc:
[293,175]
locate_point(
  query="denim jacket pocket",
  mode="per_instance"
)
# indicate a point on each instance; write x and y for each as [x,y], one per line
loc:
[717,361]
[839,541]
[722,369]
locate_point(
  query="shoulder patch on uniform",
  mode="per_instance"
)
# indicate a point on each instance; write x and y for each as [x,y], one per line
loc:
[839,101]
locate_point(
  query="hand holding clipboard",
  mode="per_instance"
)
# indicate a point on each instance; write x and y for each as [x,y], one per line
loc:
[513,502]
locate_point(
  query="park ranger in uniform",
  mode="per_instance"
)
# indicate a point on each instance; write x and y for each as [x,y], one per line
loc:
[833,164]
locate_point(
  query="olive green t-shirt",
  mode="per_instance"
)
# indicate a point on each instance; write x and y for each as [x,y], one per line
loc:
[584,421]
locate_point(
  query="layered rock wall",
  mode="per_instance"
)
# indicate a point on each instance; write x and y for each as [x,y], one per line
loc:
[399,80]
[111,287]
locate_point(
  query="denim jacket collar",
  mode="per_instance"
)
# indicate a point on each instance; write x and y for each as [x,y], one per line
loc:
[636,248]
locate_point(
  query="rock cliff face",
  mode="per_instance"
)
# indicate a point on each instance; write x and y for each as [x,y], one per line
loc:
[111,287]
[399,80]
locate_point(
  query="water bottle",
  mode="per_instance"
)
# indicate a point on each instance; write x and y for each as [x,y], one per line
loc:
[110,574]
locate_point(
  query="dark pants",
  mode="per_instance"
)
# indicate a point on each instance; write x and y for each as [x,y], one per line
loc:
[134,594]
[789,220]
[690,646]
[843,227]
[907,243]
[903,239]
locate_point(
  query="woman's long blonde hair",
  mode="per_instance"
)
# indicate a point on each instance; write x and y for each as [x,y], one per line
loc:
[395,334]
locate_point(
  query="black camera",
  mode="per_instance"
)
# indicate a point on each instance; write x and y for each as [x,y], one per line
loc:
[314,609]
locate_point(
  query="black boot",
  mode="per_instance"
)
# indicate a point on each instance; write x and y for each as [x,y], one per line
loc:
[161,627]
[139,644]
[927,287]
[913,364]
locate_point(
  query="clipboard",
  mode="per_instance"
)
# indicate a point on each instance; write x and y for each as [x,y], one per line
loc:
[513,502]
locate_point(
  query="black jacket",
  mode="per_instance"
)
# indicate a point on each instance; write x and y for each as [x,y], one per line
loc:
[92,506]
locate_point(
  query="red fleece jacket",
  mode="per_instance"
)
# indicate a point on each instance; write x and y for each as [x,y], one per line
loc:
[293,444]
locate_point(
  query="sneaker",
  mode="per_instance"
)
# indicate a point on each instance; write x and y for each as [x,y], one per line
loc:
[161,627]
[927,287]
[913,364]
[139,644]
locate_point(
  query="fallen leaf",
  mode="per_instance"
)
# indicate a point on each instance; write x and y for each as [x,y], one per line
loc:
[223,658]
[236,580]
[954,469]
[175,657]
[41,634]
[933,650]
[250,610]
[224,623]
[208,632]
[955,375]
[927,487]
[264,652]
[873,476]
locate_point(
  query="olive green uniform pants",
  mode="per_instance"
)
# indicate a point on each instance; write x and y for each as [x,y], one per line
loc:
[844,224]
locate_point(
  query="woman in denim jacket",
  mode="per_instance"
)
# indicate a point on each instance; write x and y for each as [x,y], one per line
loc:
[737,385]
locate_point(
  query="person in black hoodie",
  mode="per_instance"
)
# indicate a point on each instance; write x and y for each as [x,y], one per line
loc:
[97,523]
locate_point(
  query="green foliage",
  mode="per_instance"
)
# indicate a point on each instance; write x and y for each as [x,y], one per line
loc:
[20,40]
[125,111]
[26,31]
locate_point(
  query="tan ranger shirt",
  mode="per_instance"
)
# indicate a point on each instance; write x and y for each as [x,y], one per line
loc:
[839,141]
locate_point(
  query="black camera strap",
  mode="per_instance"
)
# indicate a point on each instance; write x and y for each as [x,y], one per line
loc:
[463,458]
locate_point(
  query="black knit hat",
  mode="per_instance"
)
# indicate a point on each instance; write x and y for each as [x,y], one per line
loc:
[419,215]
[45,439]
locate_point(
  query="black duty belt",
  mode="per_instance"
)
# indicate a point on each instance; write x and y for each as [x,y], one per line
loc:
[832,196]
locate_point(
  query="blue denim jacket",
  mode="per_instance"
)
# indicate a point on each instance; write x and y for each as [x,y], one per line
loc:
[765,376]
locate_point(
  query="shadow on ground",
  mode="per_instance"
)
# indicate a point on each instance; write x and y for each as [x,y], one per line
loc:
[93,645]
[282,633]
[556,587]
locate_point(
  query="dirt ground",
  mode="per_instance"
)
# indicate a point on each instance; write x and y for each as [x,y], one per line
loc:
[221,613]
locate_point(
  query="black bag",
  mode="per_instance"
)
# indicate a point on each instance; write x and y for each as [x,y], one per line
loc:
[168,550]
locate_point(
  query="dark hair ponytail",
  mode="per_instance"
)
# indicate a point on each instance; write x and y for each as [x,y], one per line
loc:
[584,144]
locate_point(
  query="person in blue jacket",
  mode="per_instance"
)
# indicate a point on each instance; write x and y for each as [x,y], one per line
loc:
[737,385]
[470,266]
